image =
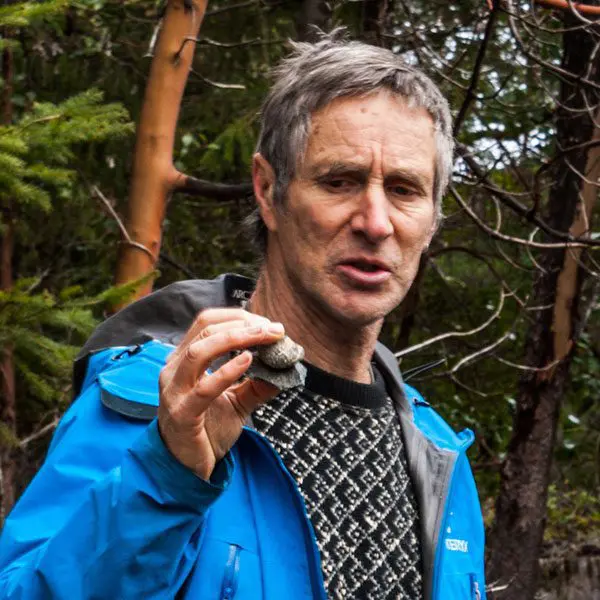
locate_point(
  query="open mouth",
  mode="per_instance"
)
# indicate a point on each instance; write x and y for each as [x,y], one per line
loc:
[364,273]
[365,266]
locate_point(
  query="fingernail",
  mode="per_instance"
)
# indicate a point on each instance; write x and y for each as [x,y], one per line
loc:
[275,328]
[243,358]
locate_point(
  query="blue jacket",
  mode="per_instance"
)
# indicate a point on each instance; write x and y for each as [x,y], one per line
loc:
[113,515]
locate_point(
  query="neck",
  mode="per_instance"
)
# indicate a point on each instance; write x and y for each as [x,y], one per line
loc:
[339,348]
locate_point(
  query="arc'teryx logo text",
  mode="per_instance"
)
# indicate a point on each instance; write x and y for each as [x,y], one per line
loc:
[457,545]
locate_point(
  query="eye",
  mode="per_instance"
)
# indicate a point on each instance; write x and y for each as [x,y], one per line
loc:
[338,184]
[401,190]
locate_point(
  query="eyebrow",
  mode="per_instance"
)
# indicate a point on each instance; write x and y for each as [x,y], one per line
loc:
[416,179]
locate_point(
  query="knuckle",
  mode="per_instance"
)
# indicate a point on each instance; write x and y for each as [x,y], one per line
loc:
[191,353]
[201,317]
[206,332]
[164,378]
[231,337]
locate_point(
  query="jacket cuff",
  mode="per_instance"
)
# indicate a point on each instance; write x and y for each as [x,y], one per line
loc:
[174,480]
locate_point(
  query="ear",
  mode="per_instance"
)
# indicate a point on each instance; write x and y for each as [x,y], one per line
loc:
[263,180]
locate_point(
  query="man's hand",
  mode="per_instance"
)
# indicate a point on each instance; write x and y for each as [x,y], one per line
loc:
[201,414]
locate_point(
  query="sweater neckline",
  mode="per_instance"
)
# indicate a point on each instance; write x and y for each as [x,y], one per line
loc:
[346,391]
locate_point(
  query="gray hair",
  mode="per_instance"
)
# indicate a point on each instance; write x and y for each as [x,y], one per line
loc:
[315,74]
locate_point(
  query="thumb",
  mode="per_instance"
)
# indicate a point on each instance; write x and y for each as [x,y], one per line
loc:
[251,393]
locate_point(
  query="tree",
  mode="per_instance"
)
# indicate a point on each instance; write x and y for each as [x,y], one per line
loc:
[36,155]
[555,328]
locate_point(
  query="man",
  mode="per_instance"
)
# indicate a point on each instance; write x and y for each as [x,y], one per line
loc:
[348,487]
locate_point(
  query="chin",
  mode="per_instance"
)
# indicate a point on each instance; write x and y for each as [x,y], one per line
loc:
[362,313]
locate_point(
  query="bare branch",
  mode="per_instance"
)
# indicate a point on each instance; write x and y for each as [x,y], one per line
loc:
[481,352]
[216,191]
[577,8]
[508,238]
[39,434]
[217,84]
[470,95]
[456,334]
[128,241]
[520,367]
[509,201]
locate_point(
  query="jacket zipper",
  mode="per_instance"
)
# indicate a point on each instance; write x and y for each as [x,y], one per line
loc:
[316,561]
[436,569]
[475,588]
[230,579]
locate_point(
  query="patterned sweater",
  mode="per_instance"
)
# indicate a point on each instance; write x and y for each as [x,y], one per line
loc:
[341,441]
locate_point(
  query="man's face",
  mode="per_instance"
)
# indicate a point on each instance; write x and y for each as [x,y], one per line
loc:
[360,210]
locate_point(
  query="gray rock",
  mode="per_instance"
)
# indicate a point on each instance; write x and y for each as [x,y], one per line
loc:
[282,354]
[284,379]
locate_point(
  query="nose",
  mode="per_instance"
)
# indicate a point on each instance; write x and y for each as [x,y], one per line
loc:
[372,216]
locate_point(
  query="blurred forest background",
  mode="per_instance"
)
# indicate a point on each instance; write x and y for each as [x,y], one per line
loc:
[501,331]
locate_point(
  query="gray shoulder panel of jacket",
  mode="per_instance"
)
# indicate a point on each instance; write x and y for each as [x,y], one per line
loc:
[164,315]
[388,364]
[430,467]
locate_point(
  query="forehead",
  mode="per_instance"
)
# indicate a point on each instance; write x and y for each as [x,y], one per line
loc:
[379,129]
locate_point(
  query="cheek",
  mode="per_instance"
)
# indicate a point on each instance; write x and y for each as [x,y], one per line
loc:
[413,230]
[314,223]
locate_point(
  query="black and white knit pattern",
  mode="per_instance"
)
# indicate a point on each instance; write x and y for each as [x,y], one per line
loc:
[348,460]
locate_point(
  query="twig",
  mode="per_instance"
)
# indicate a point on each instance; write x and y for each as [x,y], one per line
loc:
[453,334]
[217,84]
[470,95]
[38,434]
[520,367]
[217,191]
[171,261]
[128,241]
[508,238]
[535,58]
[576,8]
[482,351]
[508,200]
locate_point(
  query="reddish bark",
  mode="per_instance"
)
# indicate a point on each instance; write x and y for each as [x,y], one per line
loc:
[154,176]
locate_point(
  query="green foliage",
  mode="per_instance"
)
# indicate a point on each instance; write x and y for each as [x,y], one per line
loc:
[573,514]
[45,331]
[46,137]
[43,147]
[26,14]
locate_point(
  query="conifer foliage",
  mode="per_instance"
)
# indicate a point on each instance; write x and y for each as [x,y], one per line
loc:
[39,147]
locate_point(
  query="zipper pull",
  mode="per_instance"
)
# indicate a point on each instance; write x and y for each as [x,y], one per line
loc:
[131,351]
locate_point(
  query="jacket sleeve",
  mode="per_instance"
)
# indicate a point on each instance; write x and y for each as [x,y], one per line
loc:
[111,513]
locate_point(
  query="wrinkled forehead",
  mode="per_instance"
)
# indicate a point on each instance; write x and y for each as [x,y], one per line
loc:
[381,131]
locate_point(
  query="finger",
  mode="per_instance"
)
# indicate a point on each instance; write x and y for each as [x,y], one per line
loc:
[212,386]
[209,317]
[227,325]
[199,355]
[249,394]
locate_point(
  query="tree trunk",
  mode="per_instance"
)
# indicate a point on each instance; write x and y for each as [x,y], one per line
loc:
[518,531]
[154,176]
[375,20]
[7,366]
[313,13]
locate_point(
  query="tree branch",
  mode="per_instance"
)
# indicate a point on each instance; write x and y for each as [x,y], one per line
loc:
[517,207]
[186,184]
[470,95]
[452,334]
